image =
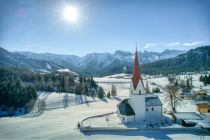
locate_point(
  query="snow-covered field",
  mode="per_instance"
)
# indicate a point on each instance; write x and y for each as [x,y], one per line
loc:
[61,123]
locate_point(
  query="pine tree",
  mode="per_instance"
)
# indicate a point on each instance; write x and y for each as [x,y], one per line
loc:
[188,84]
[108,94]
[147,87]
[101,93]
[113,90]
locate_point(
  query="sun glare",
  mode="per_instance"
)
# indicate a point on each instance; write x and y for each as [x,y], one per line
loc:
[71,13]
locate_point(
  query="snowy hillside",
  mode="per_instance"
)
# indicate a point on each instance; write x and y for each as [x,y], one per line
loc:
[61,123]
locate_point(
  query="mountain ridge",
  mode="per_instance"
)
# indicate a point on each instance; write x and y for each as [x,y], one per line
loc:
[102,64]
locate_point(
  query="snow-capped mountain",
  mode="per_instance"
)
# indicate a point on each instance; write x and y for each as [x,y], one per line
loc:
[9,59]
[101,63]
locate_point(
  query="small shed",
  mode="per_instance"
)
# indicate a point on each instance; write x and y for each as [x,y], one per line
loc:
[187,119]
[203,106]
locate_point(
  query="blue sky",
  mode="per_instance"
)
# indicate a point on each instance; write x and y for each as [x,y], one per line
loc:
[104,25]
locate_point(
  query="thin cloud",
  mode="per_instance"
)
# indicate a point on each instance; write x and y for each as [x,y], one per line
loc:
[149,45]
[193,43]
[32,45]
[173,44]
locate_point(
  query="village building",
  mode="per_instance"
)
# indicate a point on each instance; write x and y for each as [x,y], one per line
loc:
[140,106]
[203,107]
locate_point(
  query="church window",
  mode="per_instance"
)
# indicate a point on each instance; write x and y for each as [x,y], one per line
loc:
[146,109]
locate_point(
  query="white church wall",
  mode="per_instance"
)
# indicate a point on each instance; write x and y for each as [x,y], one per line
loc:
[154,112]
[139,87]
[124,118]
[137,102]
[131,118]
[127,119]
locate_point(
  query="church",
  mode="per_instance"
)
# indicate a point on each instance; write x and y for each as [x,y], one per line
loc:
[139,106]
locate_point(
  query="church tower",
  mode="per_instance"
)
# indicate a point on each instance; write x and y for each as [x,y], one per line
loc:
[137,92]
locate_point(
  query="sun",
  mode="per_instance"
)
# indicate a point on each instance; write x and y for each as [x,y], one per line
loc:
[71,14]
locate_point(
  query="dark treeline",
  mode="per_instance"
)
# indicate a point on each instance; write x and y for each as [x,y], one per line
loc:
[205,79]
[195,60]
[19,86]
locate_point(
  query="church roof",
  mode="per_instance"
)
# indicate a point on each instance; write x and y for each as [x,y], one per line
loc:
[125,108]
[152,101]
[136,72]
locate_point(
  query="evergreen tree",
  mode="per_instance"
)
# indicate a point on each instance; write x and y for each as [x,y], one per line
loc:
[147,87]
[78,89]
[188,84]
[101,93]
[108,94]
[113,90]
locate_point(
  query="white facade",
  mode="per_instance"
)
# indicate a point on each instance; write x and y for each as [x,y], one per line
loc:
[127,119]
[153,113]
[137,101]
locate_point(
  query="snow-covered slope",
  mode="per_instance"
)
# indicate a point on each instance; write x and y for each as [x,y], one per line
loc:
[61,123]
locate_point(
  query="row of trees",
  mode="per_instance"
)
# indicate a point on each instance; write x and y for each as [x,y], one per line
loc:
[154,89]
[184,84]
[113,92]
[205,79]
[88,87]
[55,81]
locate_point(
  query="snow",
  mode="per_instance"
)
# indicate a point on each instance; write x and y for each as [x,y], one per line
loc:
[152,101]
[67,70]
[187,116]
[61,123]
[48,66]
[121,75]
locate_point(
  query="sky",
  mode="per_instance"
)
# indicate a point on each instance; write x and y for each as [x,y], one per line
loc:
[104,25]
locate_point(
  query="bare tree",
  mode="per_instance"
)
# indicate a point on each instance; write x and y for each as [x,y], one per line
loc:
[172,96]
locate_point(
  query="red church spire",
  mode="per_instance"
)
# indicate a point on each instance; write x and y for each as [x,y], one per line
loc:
[136,72]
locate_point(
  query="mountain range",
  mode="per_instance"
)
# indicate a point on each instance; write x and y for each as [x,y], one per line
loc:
[100,64]
[197,59]
[10,59]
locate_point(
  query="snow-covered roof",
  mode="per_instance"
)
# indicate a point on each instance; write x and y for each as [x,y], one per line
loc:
[187,116]
[152,101]
[202,102]
[188,93]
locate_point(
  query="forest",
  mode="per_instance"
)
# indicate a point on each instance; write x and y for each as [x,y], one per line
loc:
[18,87]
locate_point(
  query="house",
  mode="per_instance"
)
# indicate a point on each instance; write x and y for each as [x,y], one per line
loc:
[140,106]
[203,107]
